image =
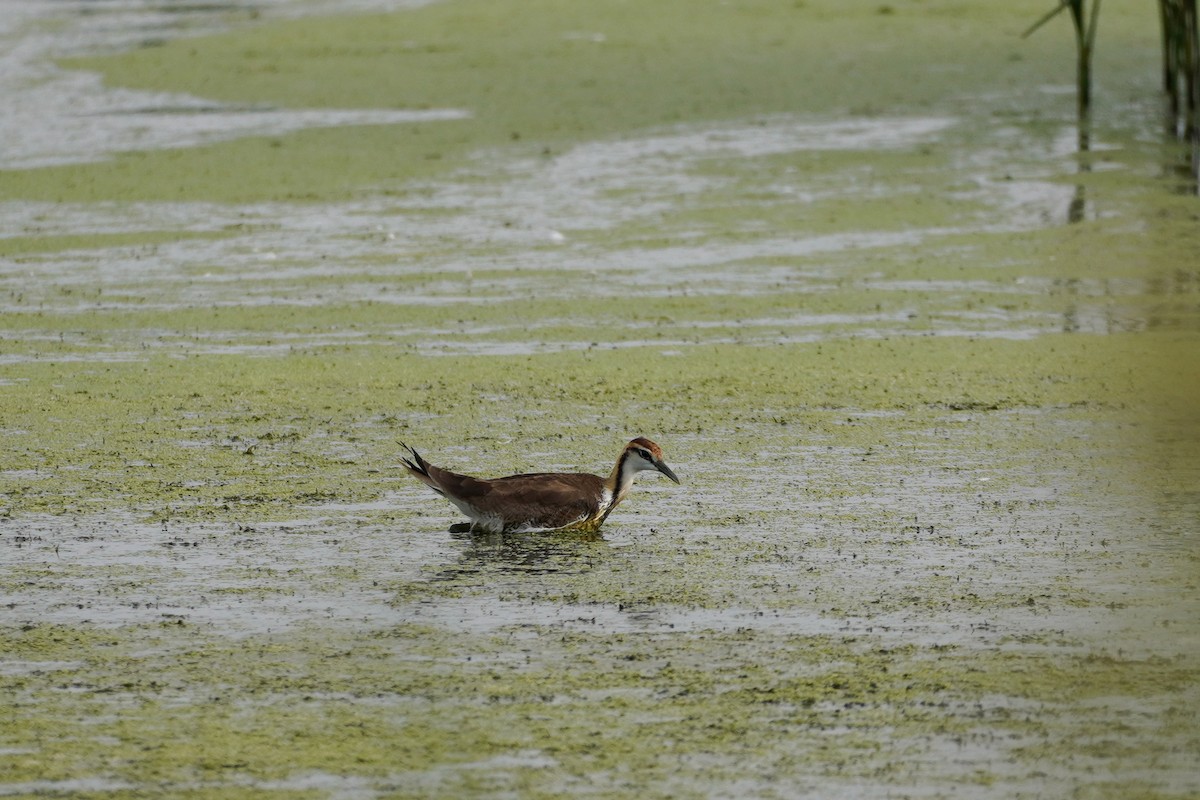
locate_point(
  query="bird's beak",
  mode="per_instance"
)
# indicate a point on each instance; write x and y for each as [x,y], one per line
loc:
[665,470]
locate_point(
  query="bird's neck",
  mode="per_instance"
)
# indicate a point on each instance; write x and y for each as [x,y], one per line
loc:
[620,479]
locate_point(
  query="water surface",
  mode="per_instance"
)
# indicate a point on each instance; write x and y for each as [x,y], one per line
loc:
[936,535]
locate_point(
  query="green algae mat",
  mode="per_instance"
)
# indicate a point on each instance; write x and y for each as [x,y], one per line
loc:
[929,378]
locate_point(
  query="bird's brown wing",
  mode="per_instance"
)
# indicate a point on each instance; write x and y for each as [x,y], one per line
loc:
[544,499]
[548,500]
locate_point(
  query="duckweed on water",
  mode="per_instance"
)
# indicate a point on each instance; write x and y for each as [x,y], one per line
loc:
[180,707]
[551,74]
[936,530]
[360,708]
[211,435]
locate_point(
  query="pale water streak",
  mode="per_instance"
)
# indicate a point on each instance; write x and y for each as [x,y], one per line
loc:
[54,116]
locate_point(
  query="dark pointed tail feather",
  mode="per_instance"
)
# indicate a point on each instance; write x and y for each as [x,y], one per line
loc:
[417,464]
[419,467]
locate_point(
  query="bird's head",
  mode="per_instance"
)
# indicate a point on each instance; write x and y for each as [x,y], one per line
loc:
[641,454]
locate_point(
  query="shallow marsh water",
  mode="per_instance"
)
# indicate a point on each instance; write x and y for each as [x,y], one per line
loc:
[937,533]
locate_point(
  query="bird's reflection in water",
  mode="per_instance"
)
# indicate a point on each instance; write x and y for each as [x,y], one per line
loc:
[531,553]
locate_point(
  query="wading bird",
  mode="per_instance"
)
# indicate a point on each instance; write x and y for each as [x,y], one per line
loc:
[540,500]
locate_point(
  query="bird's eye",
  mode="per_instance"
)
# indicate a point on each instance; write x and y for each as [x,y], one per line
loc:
[646,455]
